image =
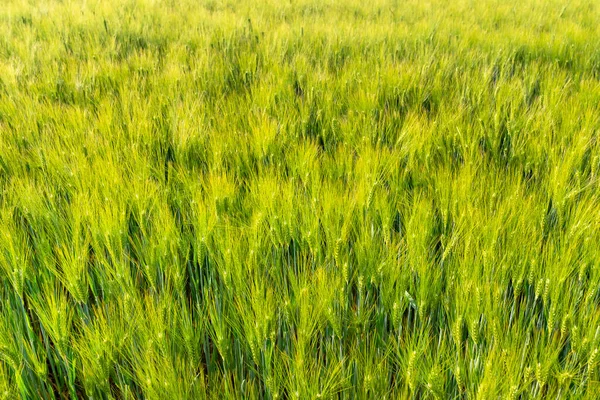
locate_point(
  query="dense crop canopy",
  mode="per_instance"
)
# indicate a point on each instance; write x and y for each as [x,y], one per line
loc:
[299,199]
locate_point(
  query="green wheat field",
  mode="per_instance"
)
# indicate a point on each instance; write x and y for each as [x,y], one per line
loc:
[299,199]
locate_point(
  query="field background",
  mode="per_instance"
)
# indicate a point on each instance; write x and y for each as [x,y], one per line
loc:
[299,199]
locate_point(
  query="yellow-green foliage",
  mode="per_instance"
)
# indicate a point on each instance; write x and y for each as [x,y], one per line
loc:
[299,199]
